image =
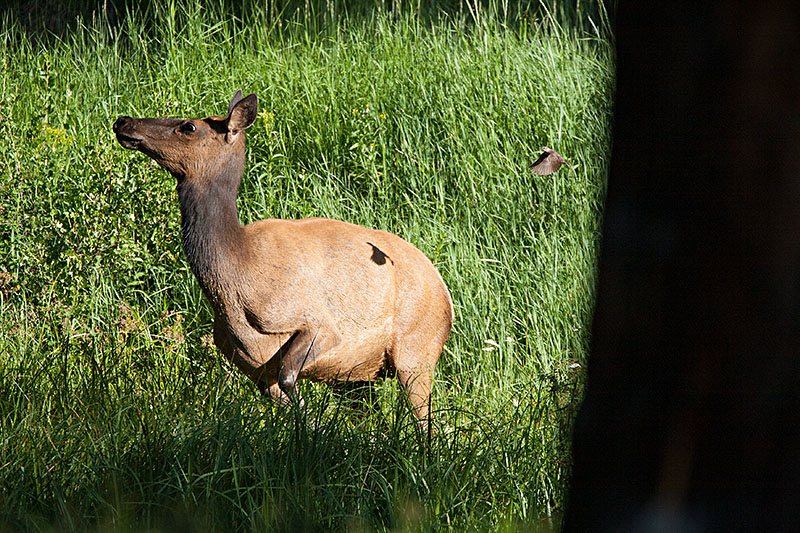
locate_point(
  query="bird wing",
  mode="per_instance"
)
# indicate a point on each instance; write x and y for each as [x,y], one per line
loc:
[547,164]
[538,161]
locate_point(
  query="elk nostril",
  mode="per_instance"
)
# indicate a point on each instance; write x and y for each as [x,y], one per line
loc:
[121,121]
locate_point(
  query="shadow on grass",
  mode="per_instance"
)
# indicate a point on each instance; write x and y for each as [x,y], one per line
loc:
[257,466]
[48,20]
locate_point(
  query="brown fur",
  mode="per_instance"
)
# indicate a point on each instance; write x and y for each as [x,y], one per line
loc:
[311,299]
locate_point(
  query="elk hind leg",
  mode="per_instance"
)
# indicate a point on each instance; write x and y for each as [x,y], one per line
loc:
[415,364]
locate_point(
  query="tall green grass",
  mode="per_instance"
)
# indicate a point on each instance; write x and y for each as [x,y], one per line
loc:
[116,412]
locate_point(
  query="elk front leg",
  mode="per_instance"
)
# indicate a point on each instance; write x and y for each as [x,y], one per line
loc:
[302,351]
[269,389]
[254,354]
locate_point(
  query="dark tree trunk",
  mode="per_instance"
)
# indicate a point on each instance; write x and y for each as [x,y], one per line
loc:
[692,416]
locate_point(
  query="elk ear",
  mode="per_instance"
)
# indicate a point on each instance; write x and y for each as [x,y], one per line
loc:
[235,100]
[241,114]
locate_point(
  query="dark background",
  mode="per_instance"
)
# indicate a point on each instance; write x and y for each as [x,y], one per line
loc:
[691,420]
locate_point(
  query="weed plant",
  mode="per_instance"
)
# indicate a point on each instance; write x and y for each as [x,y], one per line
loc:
[116,411]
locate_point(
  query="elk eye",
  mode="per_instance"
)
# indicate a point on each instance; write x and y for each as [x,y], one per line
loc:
[188,127]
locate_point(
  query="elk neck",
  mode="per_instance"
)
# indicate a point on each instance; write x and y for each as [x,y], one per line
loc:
[213,237]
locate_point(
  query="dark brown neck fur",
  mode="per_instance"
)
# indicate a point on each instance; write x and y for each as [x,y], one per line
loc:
[212,236]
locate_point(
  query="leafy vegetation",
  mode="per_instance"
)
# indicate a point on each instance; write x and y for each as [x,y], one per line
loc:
[116,411]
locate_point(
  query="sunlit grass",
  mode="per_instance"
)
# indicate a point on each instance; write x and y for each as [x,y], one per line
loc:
[116,411]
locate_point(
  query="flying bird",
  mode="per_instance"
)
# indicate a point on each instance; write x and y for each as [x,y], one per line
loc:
[548,162]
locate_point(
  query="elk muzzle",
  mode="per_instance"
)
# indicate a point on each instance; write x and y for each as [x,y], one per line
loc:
[124,129]
[152,136]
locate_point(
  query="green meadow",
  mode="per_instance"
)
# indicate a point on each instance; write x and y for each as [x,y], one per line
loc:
[116,410]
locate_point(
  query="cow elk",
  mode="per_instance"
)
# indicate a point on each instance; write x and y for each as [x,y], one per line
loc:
[314,299]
